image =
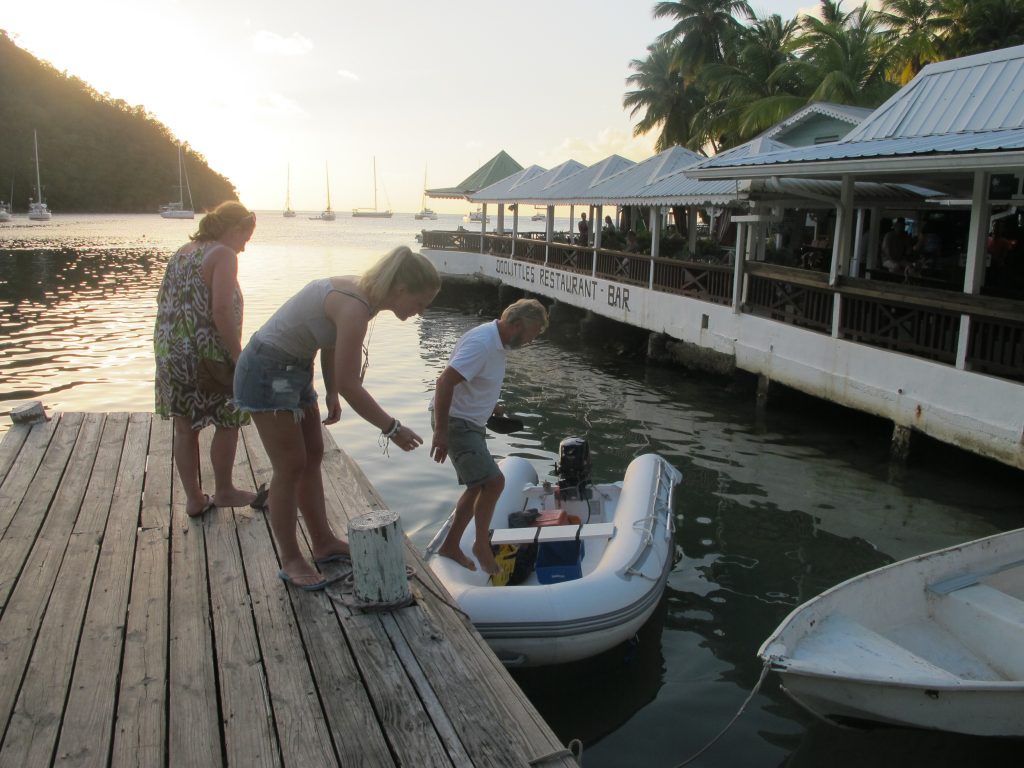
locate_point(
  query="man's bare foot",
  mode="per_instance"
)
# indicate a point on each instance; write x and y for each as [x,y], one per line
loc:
[233,497]
[456,554]
[486,557]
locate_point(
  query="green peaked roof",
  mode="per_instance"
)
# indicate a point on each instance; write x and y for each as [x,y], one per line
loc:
[499,167]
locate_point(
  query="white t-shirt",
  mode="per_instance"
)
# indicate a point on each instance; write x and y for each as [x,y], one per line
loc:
[479,357]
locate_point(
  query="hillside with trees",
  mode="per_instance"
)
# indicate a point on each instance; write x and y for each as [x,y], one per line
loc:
[720,74]
[97,154]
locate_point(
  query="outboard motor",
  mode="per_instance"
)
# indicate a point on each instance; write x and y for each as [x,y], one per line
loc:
[573,468]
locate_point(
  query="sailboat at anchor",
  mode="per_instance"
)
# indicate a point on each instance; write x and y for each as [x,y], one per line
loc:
[177,210]
[372,213]
[327,214]
[37,210]
[288,212]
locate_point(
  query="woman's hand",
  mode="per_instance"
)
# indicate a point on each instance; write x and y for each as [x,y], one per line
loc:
[406,439]
[333,408]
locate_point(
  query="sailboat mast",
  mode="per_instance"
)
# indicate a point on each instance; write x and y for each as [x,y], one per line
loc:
[39,184]
[327,172]
[181,186]
[375,183]
[288,193]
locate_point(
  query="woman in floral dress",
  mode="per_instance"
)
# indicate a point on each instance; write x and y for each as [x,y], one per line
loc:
[198,328]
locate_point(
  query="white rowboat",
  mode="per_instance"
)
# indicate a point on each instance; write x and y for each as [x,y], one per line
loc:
[935,641]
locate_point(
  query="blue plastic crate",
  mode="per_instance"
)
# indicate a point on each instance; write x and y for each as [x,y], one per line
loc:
[559,561]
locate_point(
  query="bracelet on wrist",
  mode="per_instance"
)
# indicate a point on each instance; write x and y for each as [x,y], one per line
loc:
[392,430]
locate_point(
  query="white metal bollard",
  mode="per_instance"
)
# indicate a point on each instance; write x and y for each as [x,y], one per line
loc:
[378,564]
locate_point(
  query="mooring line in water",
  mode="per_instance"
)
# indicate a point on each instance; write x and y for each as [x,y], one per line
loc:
[743,706]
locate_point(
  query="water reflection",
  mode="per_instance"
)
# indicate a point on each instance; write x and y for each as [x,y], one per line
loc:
[772,510]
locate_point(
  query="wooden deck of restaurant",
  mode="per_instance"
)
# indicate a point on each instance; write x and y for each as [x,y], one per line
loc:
[131,634]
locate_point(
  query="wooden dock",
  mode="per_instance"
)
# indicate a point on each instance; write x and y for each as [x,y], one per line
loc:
[132,635]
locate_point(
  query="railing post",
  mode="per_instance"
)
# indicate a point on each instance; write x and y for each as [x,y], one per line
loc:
[974,269]
[739,267]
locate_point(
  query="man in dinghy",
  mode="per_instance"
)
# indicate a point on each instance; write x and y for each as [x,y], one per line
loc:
[466,395]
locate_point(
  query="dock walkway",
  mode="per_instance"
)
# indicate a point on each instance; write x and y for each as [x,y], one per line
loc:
[132,635]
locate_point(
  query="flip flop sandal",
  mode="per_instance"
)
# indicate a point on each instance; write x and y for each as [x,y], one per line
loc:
[314,587]
[262,494]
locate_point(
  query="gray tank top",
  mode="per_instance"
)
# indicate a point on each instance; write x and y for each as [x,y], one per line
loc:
[300,327]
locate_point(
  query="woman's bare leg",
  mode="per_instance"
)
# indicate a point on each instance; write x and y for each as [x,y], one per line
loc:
[186,459]
[222,457]
[283,440]
[312,504]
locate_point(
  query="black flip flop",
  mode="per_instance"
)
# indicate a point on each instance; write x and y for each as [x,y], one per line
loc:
[262,494]
[504,425]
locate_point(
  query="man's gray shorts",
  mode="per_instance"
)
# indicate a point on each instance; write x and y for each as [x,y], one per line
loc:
[467,447]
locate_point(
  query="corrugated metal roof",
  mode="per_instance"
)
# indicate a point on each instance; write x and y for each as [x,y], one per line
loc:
[534,188]
[504,190]
[843,112]
[966,105]
[499,167]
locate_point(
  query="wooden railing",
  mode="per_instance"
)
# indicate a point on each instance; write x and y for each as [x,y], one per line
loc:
[913,320]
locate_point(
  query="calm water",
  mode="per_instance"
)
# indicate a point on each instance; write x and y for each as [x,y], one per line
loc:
[772,511]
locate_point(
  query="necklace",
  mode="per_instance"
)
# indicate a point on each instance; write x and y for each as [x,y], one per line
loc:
[366,350]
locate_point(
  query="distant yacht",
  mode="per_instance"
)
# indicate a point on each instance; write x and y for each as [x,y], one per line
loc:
[372,213]
[539,214]
[425,213]
[288,212]
[37,210]
[5,211]
[477,216]
[327,214]
[177,210]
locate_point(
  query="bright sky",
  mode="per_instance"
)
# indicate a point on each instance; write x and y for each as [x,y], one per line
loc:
[425,87]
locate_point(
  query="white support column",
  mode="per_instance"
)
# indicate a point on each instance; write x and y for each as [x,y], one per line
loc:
[874,237]
[483,225]
[844,230]
[501,218]
[515,228]
[974,272]
[598,227]
[859,243]
[691,229]
[738,268]
[549,229]
[572,222]
[655,231]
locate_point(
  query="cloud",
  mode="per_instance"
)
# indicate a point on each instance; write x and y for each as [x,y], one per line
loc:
[271,42]
[349,75]
[589,150]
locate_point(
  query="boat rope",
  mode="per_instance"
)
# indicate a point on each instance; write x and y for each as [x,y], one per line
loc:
[743,706]
[574,750]
[347,597]
[423,583]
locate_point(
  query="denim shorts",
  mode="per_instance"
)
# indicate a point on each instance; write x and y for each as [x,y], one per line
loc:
[467,447]
[267,379]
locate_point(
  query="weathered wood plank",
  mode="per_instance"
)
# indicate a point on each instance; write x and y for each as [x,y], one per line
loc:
[33,730]
[140,733]
[21,521]
[19,477]
[440,608]
[87,730]
[413,736]
[349,715]
[247,719]
[10,447]
[193,725]
[20,623]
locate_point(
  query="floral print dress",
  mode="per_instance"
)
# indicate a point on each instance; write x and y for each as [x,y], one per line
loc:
[185,332]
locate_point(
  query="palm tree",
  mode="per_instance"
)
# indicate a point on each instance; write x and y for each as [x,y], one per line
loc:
[703,28]
[917,27]
[757,90]
[976,26]
[666,102]
[848,60]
